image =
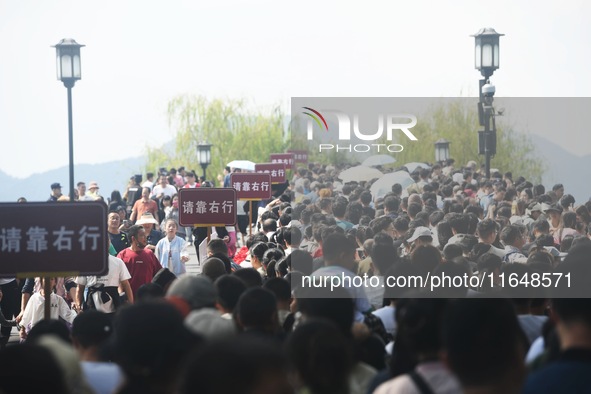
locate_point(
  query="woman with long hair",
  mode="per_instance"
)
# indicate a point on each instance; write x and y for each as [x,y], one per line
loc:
[567,226]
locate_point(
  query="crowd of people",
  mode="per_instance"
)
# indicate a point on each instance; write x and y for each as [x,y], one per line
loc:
[265,315]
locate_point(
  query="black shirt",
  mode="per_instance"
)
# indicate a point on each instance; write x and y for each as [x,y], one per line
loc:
[119,241]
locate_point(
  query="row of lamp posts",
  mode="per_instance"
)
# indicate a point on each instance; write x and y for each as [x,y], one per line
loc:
[486,60]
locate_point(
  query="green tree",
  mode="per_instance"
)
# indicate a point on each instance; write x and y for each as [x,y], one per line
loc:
[457,122]
[235,132]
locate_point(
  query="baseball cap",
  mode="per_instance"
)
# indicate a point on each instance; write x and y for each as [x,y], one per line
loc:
[420,232]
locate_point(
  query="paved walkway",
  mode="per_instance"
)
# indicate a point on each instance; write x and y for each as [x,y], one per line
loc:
[193,266]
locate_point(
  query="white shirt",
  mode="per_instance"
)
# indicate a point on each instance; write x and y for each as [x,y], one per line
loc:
[535,350]
[437,377]
[35,310]
[386,315]
[86,197]
[375,294]
[118,272]
[240,208]
[169,190]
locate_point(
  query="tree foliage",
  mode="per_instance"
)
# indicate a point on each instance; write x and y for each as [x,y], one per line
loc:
[235,132]
[457,122]
[238,133]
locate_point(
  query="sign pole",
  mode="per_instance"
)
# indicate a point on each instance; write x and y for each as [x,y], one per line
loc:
[47,291]
[250,218]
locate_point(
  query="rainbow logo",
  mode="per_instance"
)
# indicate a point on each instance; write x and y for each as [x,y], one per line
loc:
[317,116]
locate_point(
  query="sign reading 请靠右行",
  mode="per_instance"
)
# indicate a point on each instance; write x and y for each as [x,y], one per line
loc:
[276,170]
[52,237]
[285,158]
[299,156]
[204,207]
[251,186]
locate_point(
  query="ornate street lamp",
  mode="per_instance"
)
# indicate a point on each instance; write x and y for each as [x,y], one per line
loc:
[486,60]
[69,71]
[204,156]
[441,150]
[486,51]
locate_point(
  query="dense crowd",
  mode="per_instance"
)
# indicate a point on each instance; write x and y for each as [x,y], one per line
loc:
[334,289]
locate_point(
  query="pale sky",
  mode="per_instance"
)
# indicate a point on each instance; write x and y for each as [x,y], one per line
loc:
[140,54]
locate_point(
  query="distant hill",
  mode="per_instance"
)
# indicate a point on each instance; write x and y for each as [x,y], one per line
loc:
[110,176]
[562,167]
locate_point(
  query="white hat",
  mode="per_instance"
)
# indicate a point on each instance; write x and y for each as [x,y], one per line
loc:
[535,207]
[146,218]
[420,232]
[516,220]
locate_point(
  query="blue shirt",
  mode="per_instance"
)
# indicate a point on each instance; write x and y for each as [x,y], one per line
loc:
[169,254]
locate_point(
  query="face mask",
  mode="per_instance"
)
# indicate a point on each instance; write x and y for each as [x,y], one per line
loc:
[175,204]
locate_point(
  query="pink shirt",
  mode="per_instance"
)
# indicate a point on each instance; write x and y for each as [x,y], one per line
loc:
[560,234]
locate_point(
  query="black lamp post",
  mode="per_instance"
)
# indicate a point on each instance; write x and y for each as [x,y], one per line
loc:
[204,156]
[486,60]
[68,71]
[441,150]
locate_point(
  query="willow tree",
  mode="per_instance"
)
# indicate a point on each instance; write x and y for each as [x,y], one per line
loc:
[235,131]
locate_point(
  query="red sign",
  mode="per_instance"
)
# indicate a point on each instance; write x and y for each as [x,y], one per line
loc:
[299,156]
[204,207]
[276,170]
[44,238]
[286,158]
[251,186]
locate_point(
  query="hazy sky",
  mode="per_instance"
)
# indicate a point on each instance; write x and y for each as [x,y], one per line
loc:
[140,54]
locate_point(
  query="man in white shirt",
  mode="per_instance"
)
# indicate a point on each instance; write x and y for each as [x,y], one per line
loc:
[163,188]
[339,260]
[82,196]
[149,183]
[118,276]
